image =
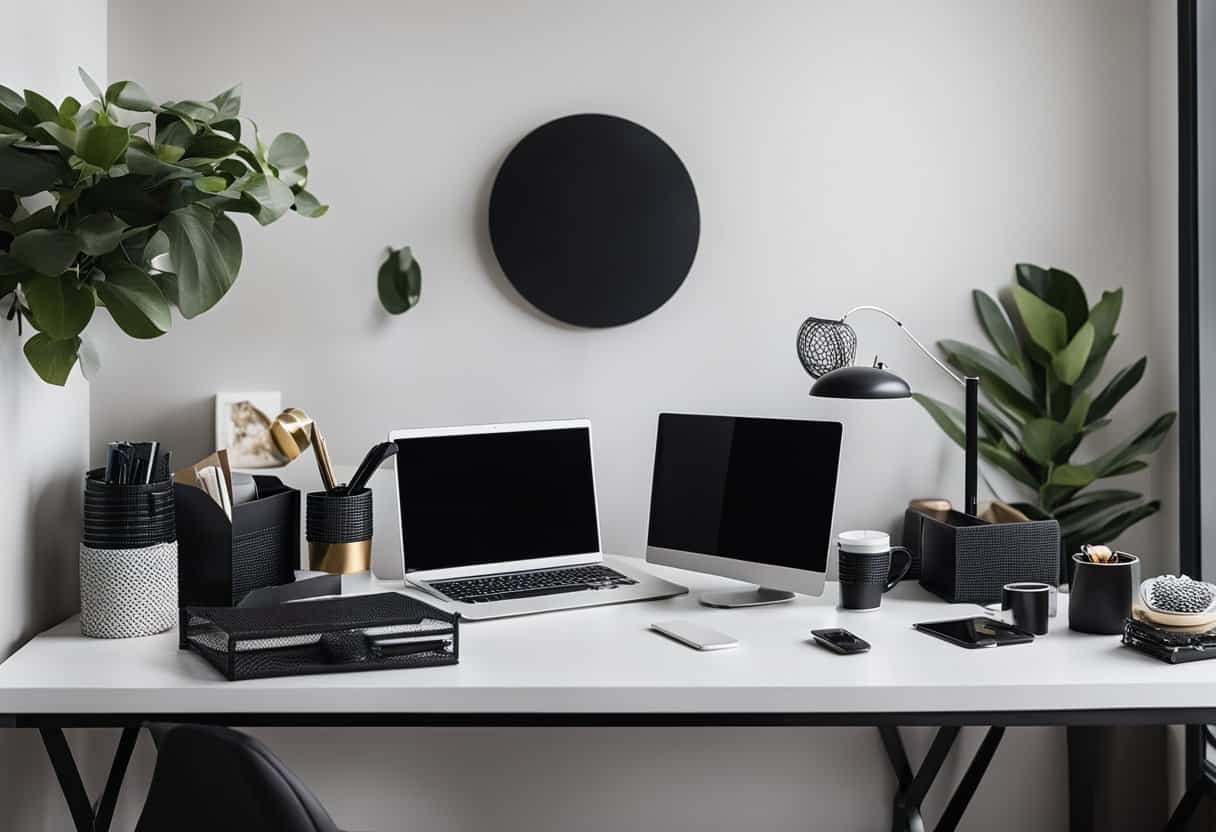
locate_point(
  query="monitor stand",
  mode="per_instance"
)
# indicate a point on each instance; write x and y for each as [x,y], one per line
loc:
[746,597]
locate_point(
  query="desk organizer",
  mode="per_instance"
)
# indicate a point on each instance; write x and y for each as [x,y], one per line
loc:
[968,560]
[221,561]
[339,531]
[128,558]
[340,635]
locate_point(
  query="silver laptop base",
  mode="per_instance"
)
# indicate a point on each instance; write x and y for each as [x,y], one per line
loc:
[746,597]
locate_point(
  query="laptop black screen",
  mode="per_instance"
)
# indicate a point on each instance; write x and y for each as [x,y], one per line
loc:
[490,497]
[756,490]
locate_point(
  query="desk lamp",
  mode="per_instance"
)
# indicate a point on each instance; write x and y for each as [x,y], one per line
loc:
[827,349]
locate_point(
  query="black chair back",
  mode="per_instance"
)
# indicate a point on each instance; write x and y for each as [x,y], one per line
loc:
[209,778]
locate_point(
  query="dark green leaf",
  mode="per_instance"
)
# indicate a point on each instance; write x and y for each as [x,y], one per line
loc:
[400,281]
[59,305]
[228,240]
[60,134]
[1147,440]
[135,301]
[132,198]
[1077,413]
[52,360]
[1133,467]
[48,251]
[275,198]
[1009,462]
[1032,511]
[1095,426]
[211,184]
[228,103]
[287,151]
[130,96]
[68,108]
[7,284]
[1043,439]
[10,100]
[229,126]
[42,108]
[102,146]
[1070,361]
[99,233]
[204,271]
[210,146]
[1073,476]
[998,425]
[1045,324]
[307,205]
[1116,389]
[1109,531]
[948,418]
[999,332]
[89,83]
[192,110]
[1059,289]
[27,172]
[173,130]
[1099,499]
[1103,316]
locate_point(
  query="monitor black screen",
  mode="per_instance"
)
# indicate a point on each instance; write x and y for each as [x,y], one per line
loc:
[755,490]
[479,498]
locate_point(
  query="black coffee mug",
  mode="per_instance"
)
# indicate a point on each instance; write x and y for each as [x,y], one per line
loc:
[1027,606]
[865,561]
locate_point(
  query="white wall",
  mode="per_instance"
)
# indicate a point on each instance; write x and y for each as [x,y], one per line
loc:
[45,429]
[885,152]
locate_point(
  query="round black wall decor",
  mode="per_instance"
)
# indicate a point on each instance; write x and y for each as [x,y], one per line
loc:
[594,219]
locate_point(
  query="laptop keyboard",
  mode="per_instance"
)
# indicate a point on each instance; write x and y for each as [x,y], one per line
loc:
[511,585]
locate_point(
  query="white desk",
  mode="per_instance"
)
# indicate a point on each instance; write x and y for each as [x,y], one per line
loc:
[601,666]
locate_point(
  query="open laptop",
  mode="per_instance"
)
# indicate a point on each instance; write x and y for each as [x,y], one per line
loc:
[502,520]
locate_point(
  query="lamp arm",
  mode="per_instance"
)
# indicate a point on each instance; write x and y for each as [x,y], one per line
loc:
[911,337]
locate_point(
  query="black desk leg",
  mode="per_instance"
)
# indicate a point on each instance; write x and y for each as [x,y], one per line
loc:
[913,788]
[85,816]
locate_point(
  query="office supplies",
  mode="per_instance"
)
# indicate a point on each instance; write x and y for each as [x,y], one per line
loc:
[271,596]
[503,520]
[221,558]
[331,635]
[1101,593]
[1027,606]
[118,462]
[965,559]
[244,488]
[696,636]
[376,457]
[338,526]
[840,641]
[128,558]
[866,564]
[975,632]
[1177,601]
[143,461]
[827,348]
[293,432]
[745,498]
[1169,644]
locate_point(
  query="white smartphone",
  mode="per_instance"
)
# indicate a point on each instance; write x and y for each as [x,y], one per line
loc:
[695,636]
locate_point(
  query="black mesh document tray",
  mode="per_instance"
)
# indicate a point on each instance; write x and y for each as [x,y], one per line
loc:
[337,635]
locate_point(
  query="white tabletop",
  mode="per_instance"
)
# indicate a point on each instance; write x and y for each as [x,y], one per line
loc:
[604,660]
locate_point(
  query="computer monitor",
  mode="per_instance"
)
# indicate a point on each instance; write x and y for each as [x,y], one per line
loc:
[745,498]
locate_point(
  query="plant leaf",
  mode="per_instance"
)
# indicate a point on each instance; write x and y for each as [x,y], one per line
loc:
[273,196]
[90,361]
[102,146]
[1059,289]
[287,151]
[59,305]
[1043,439]
[1077,413]
[1109,531]
[1070,361]
[306,205]
[1133,467]
[1045,324]
[10,100]
[998,378]
[228,103]
[130,96]
[1116,389]
[89,83]
[1072,476]
[210,146]
[1100,499]
[950,420]
[26,172]
[99,233]
[135,301]
[1103,316]
[42,108]
[399,281]
[999,332]
[48,251]
[52,360]
[62,135]
[202,261]
[1147,440]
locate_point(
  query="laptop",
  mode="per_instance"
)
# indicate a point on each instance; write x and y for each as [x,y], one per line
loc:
[501,520]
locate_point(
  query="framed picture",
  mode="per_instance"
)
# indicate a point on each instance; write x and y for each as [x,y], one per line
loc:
[242,425]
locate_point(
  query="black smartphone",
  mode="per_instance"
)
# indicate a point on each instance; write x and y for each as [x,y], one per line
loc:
[840,641]
[975,632]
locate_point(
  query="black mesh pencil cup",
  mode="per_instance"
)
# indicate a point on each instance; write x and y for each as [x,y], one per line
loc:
[128,558]
[339,531]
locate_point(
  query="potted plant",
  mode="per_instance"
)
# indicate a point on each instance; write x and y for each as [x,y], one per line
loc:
[1049,350]
[100,208]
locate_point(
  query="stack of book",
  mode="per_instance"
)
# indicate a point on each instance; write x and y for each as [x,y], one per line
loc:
[1170,644]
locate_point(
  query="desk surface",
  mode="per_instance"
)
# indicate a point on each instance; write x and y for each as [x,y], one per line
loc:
[604,661]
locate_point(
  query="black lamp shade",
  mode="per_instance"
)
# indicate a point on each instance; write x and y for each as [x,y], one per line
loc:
[861,383]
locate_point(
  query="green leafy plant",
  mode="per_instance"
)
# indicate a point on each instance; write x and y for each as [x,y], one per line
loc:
[134,217]
[1049,352]
[399,281]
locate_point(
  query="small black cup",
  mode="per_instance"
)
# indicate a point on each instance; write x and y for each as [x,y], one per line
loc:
[1027,605]
[866,575]
[1100,599]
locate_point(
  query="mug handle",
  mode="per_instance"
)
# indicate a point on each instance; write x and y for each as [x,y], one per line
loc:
[907,565]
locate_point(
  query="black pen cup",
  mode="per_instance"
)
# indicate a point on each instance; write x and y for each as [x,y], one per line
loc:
[1027,606]
[338,527]
[1100,598]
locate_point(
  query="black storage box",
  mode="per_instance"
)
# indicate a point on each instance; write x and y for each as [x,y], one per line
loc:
[336,635]
[220,561]
[968,560]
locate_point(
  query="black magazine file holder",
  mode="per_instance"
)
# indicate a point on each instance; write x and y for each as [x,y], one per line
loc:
[220,562]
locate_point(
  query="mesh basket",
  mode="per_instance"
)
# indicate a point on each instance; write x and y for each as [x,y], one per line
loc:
[126,593]
[339,635]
